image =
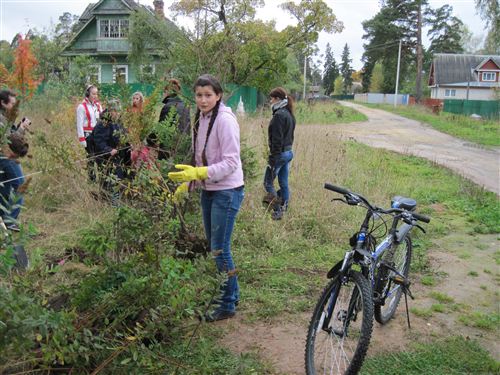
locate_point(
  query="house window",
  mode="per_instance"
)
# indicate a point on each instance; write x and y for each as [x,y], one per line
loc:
[148,69]
[120,74]
[489,76]
[94,75]
[114,28]
[450,93]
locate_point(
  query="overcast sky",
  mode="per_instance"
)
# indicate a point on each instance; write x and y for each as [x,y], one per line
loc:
[21,15]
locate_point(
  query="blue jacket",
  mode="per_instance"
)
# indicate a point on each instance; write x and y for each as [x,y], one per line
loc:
[9,170]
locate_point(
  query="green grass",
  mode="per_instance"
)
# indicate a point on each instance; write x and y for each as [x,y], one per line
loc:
[483,132]
[428,280]
[441,297]
[473,274]
[439,307]
[452,356]
[326,113]
[478,319]
[421,313]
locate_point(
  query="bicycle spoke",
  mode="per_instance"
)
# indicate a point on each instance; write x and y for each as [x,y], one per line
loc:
[335,347]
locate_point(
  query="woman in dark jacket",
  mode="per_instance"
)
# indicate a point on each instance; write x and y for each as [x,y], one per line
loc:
[112,155]
[280,133]
[174,109]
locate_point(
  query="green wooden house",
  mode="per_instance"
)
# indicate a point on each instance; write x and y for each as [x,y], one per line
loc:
[102,34]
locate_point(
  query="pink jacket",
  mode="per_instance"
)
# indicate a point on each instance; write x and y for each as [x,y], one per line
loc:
[223,150]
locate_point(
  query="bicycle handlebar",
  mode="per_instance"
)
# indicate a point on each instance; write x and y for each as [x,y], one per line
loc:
[336,189]
[423,218]
[346,192]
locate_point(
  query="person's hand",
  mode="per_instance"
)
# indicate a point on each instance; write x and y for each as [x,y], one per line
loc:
[24,187]
[188,173]
[25,123]
[113,152]
[271,160]
[84,144]
[180,193]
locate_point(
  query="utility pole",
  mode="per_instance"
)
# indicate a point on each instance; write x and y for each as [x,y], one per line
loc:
[305,70]
[397,74]
[420,57]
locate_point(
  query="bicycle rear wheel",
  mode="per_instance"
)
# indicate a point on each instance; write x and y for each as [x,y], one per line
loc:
[341,326]
[398,257]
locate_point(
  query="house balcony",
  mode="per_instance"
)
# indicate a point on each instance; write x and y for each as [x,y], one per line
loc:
[112,45]
[85,45]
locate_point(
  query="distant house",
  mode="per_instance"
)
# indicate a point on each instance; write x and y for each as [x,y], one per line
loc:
[473,77]
[102,34]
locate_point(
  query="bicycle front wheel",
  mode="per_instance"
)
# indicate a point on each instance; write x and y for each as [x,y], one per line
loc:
[341,326]
[399,257]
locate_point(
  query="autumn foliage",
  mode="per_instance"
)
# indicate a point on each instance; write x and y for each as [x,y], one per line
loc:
[4,76]
[22,79]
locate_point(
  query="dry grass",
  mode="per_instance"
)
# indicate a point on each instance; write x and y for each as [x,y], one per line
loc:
[58,202]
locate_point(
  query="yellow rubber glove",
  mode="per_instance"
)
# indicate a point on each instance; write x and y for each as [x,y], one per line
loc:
[188,173]
[181,192]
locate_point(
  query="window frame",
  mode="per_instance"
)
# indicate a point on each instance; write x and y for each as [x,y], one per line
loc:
[121,22]
[493,74]
[152,66]
[450,93]
[118,66]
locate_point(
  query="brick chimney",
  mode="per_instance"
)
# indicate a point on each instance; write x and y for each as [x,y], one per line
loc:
[158,4]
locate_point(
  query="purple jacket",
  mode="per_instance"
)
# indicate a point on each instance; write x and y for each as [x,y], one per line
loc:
[223,151]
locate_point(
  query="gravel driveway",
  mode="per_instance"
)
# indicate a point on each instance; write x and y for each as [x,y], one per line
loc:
[396,133]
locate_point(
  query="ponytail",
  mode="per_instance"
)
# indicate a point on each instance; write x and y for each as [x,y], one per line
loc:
[281,94]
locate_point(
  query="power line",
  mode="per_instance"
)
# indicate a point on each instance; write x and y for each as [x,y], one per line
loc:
[383,46]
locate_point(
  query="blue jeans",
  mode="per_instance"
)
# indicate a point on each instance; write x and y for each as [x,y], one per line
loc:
[11,200]
[280,169]
[219,210]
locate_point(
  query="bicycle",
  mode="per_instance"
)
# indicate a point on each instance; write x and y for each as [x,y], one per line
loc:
[340,329]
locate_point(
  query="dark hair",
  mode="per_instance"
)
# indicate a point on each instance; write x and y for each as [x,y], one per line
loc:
[280,93]
[202,81]
[18,144]
[87,90]
[5,96]
[173,85]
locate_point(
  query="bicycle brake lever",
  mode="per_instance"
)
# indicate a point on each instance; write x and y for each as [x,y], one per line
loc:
[419,227]
[338,199]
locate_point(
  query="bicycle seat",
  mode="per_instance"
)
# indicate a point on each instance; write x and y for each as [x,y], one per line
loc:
[404,203]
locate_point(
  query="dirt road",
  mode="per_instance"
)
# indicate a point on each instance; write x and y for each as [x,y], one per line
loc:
[396,133]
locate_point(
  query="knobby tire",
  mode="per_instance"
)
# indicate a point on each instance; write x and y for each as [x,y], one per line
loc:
[333,351]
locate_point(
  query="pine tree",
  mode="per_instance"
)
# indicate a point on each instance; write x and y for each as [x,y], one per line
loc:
[330,71]
[446,31]
[346,69]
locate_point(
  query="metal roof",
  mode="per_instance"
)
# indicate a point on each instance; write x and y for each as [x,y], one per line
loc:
[451,68]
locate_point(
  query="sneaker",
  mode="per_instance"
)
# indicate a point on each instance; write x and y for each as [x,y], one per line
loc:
[218,315]
[277,214]
[269,198]
[13,227]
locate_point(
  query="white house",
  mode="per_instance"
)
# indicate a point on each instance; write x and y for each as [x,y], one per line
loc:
[472,77]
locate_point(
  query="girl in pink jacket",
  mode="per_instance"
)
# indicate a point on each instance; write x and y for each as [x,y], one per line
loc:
[216,145]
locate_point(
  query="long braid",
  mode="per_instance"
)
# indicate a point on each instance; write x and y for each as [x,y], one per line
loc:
[215,112]
[196,126]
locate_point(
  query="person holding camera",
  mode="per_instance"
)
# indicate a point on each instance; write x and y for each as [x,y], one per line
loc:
[8,106]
